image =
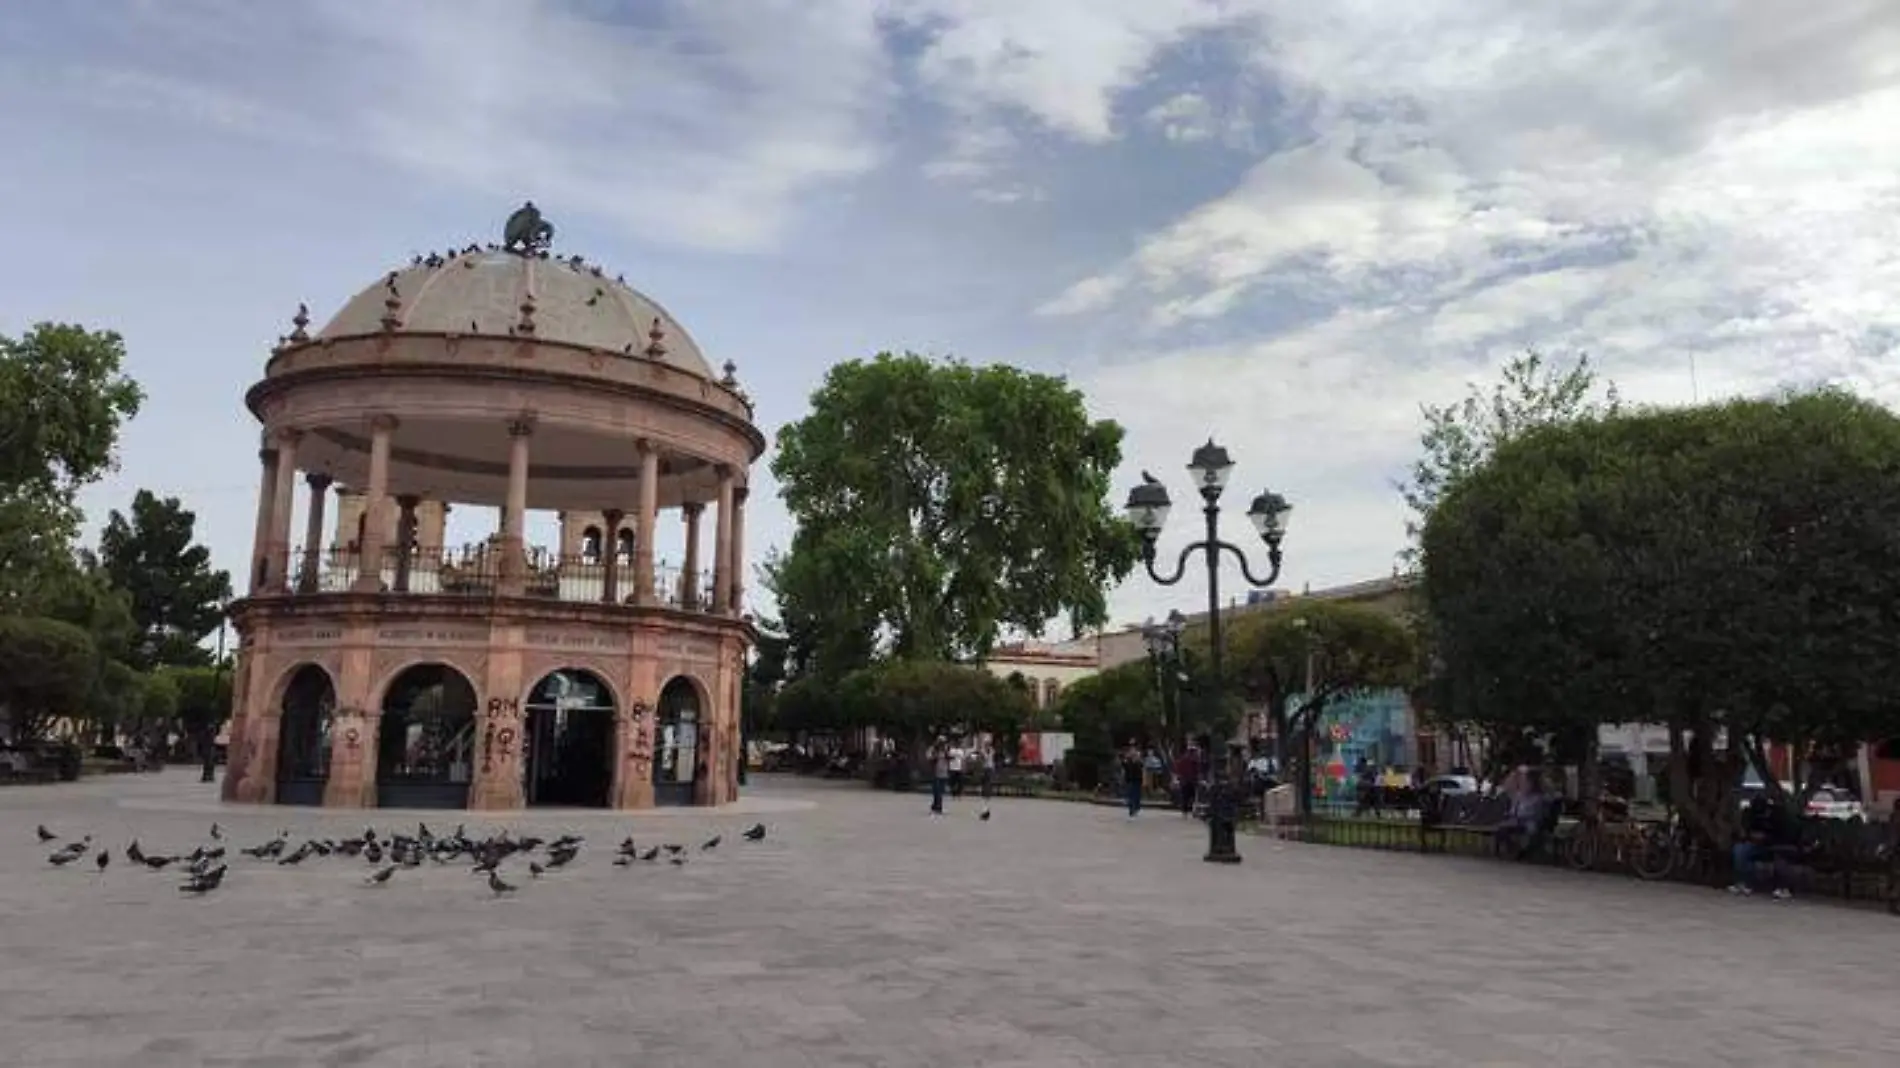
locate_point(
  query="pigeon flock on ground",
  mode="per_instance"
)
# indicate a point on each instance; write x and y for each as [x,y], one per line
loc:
[385,853]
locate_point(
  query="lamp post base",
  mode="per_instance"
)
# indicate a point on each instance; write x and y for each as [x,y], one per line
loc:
[1221,847]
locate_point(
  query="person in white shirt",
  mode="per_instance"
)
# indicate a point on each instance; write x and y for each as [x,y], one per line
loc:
[957,758]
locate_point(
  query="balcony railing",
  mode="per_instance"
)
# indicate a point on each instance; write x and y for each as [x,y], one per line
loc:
[475,571]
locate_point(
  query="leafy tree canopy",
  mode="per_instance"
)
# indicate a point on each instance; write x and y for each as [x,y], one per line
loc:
[204,696]
[176,597]
[62,398]
[1459,437]
[1117,704]
[47,669]
[938,503]
[1735,565]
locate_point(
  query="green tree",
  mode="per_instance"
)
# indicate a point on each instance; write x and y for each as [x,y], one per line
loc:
[63,398]
[176,597]
[47,670]
[938,503]
[1459,437]
[1730,570]
[1299,660]
[916,700]
[204,697]
[1104,711]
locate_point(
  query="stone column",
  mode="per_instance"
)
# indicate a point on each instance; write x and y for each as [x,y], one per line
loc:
[405,539]
[310,580]
[722,545]
[266,497]
[283,503]
[689,581]
[736,569]
[514,515]
[610,553]
[369,577]
[645,522]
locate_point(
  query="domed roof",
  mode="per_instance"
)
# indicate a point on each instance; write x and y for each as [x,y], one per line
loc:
[493,291]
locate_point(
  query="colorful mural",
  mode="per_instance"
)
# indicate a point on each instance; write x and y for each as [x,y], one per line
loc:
[1376,727]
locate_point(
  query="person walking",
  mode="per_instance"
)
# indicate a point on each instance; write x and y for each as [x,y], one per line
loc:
[1131,778]
[939,773]
[957,759]
[986,768]
[1187,772]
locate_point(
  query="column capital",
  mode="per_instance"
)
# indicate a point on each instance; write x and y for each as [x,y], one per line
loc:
[724,471]
[692,509]
[285,436]
[318,481]
[268,456]
[408,500]
[740,492]
[613,516]
[384,421]
[522,425]
[643,447]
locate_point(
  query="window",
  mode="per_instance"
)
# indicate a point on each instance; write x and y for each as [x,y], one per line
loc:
[590,545]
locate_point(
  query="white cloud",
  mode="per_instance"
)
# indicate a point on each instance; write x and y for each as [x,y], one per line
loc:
[1656,183]
[704,125]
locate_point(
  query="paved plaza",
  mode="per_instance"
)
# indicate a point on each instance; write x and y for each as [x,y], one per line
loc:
[862,932]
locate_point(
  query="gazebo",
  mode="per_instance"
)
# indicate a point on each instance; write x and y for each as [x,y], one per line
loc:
[386,668]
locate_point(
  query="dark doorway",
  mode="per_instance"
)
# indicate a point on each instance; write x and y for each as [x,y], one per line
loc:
[676,744]
[303,737]
[425,748]
[568,755]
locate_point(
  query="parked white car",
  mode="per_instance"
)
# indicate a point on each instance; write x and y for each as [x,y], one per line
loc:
[1835,805]
[1453,785]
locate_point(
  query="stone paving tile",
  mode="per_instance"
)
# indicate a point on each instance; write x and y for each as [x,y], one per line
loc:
[863,933]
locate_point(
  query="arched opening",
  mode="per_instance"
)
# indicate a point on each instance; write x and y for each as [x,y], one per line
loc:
[623,547]
[590,545]
[303,737]
[425,748]
[676,743]
[568,754]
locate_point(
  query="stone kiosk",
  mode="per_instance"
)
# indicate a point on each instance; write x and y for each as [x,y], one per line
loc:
[386,668]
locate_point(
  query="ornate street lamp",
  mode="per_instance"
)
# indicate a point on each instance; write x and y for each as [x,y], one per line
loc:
[1148,507]
[1164,655]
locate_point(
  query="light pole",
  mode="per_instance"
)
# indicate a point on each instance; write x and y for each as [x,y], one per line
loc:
[1148,507]
[1164,654]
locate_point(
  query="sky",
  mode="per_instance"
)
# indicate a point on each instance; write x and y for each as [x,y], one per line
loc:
[1279,223]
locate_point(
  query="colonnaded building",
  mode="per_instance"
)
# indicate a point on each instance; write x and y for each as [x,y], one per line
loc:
[382,667]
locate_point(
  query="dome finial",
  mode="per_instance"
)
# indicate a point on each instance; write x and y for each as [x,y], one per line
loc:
[526,231]
[731,381]
[656,338]
[299,321]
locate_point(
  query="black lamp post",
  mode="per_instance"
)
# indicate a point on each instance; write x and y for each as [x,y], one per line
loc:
[1148,507]
[1164,654]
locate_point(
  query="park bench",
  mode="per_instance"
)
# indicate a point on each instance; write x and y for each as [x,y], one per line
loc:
[1859,855]
[1466,815]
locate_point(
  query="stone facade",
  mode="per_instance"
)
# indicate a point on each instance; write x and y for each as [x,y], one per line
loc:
[561,404]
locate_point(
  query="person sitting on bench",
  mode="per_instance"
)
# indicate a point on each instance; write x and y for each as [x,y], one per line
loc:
[1762,834]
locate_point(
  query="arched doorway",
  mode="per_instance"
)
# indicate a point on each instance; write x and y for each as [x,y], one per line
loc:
[676,743]
[303,737]
[568,754]
[425,748]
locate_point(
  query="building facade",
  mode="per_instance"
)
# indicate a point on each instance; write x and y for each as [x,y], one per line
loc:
[383,667]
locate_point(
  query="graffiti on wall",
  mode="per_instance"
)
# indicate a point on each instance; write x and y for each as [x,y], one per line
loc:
[1374,728]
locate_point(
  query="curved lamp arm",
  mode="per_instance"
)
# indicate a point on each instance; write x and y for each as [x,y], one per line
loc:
[1180,564]
[1273,562]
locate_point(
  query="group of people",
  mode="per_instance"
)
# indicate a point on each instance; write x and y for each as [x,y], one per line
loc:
[953,765]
